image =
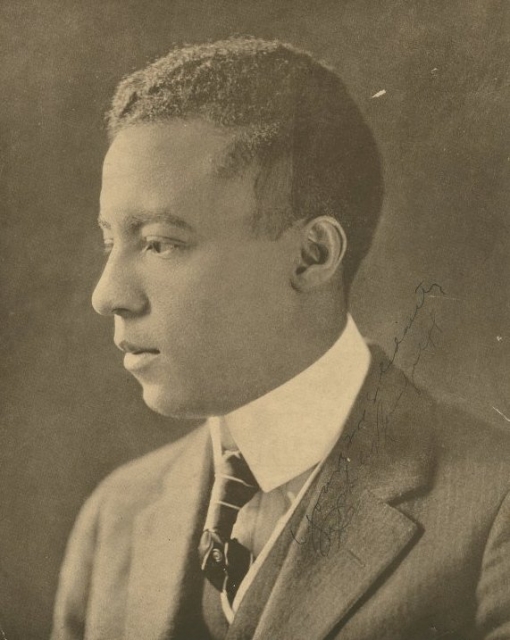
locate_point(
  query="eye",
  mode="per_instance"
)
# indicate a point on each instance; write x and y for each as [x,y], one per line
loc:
[162,246]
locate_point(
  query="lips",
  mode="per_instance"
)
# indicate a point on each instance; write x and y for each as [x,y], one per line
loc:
[130,347]
[141,360]
[137,356]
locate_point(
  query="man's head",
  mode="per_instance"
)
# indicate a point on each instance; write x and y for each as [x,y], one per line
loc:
[240,192]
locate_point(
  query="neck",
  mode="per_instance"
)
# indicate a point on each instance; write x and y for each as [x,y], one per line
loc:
[316,338]
[318,330]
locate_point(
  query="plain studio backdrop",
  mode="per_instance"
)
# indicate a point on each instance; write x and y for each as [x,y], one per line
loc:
[431,79]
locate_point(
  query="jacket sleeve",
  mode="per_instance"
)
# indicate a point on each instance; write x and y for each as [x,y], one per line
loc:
[76,574]
[493,593]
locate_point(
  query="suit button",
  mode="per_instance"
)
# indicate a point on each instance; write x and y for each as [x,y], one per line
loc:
[217,556]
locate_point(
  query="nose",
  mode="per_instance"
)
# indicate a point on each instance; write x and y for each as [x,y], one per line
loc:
[118,291]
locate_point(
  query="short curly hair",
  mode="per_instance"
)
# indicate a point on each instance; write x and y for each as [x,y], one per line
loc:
[279,101]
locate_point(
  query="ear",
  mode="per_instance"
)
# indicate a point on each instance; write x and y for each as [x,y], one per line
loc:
[323,246]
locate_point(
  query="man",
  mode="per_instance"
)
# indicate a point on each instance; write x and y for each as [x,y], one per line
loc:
[324,496]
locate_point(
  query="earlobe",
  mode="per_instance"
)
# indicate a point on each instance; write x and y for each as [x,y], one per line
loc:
[322,249]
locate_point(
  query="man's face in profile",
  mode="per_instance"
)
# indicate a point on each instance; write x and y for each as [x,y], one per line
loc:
[200,301]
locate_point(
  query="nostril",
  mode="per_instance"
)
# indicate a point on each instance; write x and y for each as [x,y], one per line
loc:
[120,311]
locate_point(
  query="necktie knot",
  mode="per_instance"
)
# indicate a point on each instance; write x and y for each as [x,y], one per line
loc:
[225,561]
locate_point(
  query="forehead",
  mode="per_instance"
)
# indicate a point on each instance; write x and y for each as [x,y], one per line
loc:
[171,165]
[159,149]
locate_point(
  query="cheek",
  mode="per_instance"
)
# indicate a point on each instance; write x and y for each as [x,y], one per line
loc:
[247,295]
[190,306]
[220,301]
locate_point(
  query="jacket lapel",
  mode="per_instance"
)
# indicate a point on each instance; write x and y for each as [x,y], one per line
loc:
[165,535]
[346,532]
[331,566]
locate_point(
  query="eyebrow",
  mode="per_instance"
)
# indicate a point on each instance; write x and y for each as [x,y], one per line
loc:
[134,221]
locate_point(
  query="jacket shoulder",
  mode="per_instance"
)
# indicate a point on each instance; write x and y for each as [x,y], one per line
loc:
[473,456]
[140,482]
[463,436]
[463,450]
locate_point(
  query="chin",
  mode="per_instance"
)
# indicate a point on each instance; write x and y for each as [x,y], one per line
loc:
[171,404]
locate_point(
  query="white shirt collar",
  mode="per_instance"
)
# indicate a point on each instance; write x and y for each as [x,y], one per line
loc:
[293,427]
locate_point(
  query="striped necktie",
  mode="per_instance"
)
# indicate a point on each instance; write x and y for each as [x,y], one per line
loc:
[224,560]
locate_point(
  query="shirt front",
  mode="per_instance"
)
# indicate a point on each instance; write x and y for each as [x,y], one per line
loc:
[284,436]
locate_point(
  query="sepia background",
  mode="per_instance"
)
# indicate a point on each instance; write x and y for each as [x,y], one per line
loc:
[431,78]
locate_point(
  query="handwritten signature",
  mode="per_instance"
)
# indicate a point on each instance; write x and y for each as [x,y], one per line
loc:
[327,523]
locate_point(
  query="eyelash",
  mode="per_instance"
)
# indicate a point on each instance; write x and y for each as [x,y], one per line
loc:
[149,246]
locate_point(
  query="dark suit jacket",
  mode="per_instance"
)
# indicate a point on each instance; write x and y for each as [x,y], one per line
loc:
[405,535]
